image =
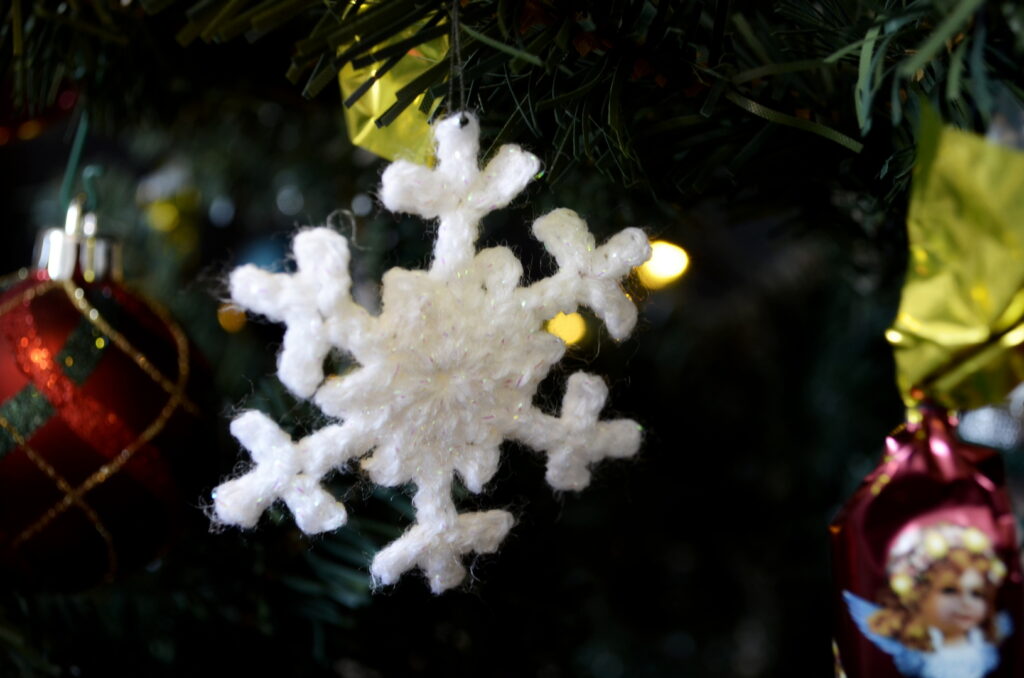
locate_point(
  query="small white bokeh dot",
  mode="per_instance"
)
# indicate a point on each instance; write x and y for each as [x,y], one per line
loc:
[290,200]
[362,204]
[222,211]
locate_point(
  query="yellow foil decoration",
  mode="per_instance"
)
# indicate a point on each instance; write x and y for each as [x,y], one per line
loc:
[961,316]
[408,137]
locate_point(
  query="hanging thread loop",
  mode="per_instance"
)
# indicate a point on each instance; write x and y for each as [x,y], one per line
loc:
[455,55]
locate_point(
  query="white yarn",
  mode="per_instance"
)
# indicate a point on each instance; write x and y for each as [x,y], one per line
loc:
[286,470]
[448,369]
[456,192]
[577,439]
[317,291]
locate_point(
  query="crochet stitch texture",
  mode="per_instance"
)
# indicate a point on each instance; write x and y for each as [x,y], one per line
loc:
[447,370]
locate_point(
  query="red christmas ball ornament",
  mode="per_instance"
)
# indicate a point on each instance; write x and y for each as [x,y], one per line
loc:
[97,416]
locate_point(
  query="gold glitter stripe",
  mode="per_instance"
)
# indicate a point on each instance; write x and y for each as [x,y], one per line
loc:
[28,295]
[66,488]
[77,297]
[177,398]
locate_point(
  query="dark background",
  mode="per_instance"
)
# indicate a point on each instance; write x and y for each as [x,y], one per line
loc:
[762,379]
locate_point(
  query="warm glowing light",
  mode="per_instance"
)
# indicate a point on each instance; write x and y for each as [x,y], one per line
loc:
[40,356]
[1013,337]
[29,130]
[894,336]
[100,342]
[666,264]
[569,328]
[231,318]
[163,216]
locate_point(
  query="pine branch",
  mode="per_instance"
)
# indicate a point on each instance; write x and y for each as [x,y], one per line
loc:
[599,87]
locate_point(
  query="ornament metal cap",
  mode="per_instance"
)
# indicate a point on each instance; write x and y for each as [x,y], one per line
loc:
[77,249]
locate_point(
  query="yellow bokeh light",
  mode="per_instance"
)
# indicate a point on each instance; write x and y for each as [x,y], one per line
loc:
[666,264]
[231,318]
[163,215]
[29,130]
[569,328]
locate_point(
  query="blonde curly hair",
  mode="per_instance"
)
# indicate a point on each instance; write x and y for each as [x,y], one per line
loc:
[924,560]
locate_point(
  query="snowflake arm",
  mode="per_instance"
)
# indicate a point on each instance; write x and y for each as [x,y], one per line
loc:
[438,552]
[588,275]
[456,192]
[440,537]
[576,440]
[278,297]
[302,300]
[286,470]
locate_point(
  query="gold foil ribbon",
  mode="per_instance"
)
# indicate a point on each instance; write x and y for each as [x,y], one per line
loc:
[961,316]
[408,136]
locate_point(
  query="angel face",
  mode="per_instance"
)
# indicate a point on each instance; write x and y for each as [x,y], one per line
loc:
[956,604]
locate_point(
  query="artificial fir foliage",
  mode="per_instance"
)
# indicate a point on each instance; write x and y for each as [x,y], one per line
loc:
[672,95]
[773,141]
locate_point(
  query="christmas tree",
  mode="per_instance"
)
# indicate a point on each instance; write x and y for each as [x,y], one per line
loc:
[765,149]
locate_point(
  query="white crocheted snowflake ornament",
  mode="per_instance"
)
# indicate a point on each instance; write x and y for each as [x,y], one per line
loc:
[447,370]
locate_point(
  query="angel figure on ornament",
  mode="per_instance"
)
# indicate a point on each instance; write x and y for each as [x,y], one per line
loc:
[938,618]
